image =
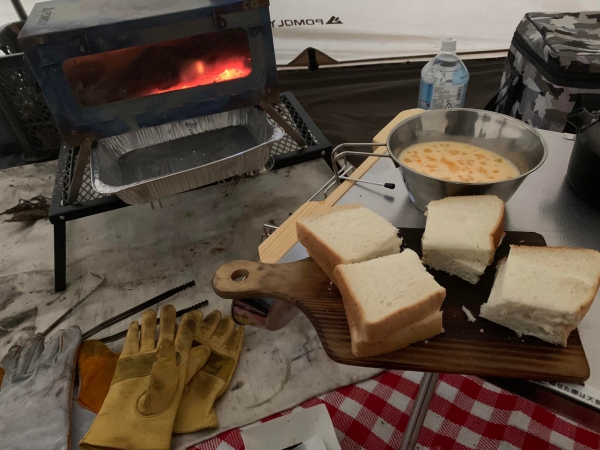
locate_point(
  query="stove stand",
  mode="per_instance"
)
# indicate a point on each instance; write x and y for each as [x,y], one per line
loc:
[73,196]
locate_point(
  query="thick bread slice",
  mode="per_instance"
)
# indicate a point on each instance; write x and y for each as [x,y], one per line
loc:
[470,226]
[467,270]
[510,315]
[554,334]
[345,235]
[385,294]
[560,281]
[544,291]
[425,329]
[462,234]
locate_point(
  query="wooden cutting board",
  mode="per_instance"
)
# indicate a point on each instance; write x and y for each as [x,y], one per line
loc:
[463,348]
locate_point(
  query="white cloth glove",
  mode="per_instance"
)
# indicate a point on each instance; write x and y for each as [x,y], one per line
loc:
[35,396]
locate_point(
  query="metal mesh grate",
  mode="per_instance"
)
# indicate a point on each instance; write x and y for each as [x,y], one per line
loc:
[24,97]
[287,144]
[86,192]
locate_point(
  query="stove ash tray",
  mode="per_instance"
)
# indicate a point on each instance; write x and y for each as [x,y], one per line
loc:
[151,163]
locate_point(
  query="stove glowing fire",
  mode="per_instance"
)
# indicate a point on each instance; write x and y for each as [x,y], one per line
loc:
[153,69]
[199,73]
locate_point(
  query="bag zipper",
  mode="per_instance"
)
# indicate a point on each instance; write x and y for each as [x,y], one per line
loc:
[554,75]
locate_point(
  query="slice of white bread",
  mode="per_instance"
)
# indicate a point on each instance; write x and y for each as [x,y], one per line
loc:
[345,235]
[544,291]
[462,234]
[463,268]
[427,328]
[497,311]
[386,294]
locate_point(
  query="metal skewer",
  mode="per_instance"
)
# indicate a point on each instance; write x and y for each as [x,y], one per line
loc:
[137,309]
[74,307]
[122,334]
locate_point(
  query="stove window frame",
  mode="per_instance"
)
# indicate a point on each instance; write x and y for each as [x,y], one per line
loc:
[77,124]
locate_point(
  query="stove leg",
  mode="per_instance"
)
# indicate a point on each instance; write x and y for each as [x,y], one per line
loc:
[79,171]
[419,411]
[60,256]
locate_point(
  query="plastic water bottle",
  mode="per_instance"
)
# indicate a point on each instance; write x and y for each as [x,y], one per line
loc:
[444,79]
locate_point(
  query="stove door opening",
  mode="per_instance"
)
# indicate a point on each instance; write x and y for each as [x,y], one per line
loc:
[151,69]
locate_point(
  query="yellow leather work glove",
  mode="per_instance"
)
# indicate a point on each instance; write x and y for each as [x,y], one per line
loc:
[97,366]
[204,387]
[140,408]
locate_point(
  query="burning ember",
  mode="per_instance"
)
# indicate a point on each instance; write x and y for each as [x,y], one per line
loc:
[199,73]
[152,69]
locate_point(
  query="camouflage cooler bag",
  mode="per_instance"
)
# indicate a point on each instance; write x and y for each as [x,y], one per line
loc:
[552,67]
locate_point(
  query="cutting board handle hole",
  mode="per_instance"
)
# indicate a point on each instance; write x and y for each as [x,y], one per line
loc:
[240,275]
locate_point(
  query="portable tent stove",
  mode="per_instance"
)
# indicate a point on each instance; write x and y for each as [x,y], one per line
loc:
[162,94]
[129,81]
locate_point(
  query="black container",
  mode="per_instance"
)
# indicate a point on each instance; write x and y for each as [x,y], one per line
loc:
[584,166]
[26,123]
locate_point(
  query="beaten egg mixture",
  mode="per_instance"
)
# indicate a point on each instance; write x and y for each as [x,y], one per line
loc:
[457,161]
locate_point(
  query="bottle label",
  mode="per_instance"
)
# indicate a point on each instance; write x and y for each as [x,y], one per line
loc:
[447,95]
[425,95]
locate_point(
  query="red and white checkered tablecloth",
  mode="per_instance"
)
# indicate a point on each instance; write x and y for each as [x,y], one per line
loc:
[465,413]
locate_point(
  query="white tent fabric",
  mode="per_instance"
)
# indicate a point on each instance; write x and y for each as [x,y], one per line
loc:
[351,30]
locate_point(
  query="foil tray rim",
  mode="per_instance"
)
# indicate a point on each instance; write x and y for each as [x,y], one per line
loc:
[103,188]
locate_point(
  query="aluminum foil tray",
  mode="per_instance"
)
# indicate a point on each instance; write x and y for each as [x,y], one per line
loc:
[151,163]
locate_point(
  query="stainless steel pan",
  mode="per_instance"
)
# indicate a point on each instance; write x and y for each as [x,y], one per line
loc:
[509,137]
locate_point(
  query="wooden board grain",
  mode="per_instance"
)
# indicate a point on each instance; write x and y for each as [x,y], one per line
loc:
[463,348]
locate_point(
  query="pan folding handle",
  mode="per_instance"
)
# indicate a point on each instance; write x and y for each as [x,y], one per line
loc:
[337,155]
[385,185]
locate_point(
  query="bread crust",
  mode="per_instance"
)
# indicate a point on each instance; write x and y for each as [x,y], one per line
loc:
[379,330]
[325,257]
[496,235]
[425,329]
